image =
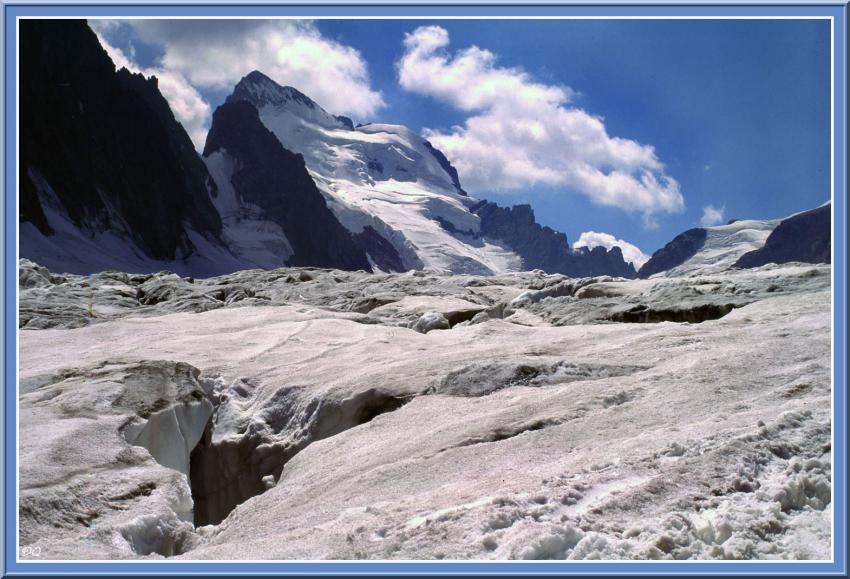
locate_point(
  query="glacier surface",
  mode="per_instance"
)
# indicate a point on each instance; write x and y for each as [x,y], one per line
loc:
[539,417]
[321,414]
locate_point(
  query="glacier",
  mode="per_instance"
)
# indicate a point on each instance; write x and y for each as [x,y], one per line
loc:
[541,417]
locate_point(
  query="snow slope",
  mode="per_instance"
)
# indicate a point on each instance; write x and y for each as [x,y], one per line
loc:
[77,250]
[724,245]
[383,176]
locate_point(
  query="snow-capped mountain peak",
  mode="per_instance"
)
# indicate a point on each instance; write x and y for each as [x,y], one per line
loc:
[379,176]
[399,196]
[365,154]
[261,91]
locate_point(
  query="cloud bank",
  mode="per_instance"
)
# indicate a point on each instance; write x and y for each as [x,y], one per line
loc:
[631,253]
[523,133]
[216,54]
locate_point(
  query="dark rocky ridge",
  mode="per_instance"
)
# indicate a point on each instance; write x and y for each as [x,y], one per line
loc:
[544,248]
[683,247]
[109,146]
[277,181]
[346,121]
[132,171]
[602,261]
[804,237]
[446,165]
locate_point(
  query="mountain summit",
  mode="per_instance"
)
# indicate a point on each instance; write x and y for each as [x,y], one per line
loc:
[259,90]
[401,198]
[273,215]
[110,180]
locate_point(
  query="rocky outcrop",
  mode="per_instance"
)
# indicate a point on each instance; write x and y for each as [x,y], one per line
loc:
[601,261]
[276,180]
[544,248]
[106,144]
[446,165]
[683,247]
[379,250]
[803,237]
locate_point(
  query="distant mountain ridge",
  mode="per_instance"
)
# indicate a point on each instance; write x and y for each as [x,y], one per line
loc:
[390,182]
[745,243]
[111,180]
[544,248]
[805,237]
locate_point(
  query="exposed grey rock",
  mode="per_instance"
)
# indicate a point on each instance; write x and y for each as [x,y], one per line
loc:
[37,276]
[480,318]
[805,237]
[676,252]
[276,180]
[544,248]
[446,165]
[392,299]
[379,250]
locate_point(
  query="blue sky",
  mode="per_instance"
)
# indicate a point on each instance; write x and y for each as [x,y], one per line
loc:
[732,115]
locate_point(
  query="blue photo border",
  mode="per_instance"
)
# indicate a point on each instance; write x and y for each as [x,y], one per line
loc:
[836,11]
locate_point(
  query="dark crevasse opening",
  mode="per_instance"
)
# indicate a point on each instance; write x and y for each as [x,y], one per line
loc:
[229,472]
[642,314]
[225,473]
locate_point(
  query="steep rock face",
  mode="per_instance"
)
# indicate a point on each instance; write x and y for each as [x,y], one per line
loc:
[538,246]
[102,147]
[544,248]
[276,181]
[446,165]
[602,261]
[803,237]
[380,251]
[678,251]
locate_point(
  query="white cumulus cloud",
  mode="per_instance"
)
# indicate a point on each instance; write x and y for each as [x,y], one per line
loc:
[631,253]
[217,53]
[523,133]
[712,215]
[199,55]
